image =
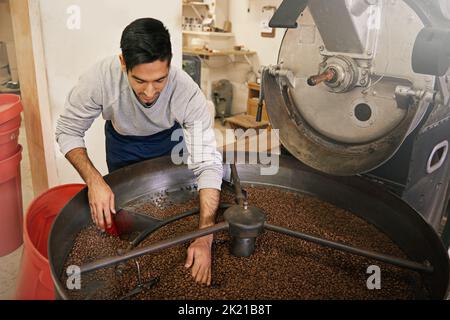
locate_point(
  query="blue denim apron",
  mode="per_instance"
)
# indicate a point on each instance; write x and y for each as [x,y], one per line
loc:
[122,151]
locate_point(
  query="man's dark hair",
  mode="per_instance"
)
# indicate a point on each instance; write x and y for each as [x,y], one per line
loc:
[144,41]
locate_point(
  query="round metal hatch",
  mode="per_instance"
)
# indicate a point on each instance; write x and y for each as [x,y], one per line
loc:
[353,123]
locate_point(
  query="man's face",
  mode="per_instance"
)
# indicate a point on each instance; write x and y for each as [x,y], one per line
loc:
[148,80]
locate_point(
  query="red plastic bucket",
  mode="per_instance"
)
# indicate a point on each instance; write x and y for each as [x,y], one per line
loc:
[9,143]
[11,212]
[35,281]
[10,120]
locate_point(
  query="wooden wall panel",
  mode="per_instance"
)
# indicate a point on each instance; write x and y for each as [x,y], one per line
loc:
[29,89]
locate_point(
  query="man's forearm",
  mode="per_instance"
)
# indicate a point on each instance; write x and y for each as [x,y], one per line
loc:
[80,160]
[209,203]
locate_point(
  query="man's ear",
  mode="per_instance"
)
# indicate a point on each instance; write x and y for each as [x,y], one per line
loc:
[122,62]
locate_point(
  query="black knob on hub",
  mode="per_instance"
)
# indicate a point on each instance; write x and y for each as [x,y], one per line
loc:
[246,223]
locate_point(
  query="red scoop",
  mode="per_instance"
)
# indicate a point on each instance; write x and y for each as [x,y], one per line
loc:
[113,229]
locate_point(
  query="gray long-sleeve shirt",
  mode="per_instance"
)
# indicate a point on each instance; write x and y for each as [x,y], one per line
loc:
[105,90]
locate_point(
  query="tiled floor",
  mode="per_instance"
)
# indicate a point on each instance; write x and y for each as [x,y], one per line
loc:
[10,264]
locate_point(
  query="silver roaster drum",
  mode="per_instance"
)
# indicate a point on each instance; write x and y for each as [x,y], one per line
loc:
[319,125]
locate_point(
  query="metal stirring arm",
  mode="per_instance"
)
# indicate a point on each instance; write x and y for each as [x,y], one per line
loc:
[245,224]
[241,196]
[399,262]
[141,285]
[147,232]
[165,244]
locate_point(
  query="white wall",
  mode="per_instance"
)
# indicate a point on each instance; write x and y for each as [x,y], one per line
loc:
[246,27]
[68,53]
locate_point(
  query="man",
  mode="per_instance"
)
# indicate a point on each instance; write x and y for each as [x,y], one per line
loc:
[143,100]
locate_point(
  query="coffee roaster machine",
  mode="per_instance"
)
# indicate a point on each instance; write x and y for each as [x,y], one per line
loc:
[360,95]
[362,87]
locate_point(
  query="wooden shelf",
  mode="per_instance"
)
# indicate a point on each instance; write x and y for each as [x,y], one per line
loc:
[221,53]
[246,121]
[195,3]
[196,6]
[209,34]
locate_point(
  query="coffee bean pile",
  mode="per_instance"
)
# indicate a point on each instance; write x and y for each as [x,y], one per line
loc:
[281,267]
[156,212]
[162,206]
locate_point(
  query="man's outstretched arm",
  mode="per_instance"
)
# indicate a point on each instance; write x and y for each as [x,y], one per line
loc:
[101,197]
[199,253]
